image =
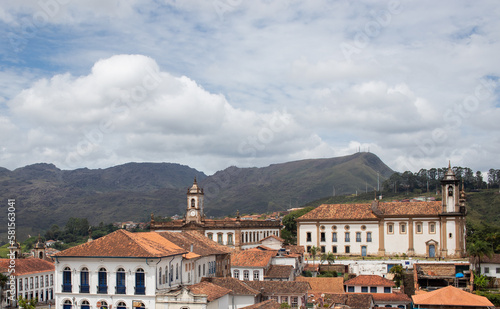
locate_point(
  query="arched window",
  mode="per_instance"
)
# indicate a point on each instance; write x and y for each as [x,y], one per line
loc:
[138,305]
[450,191]
[210,236]
[120,281]
[85,305]
[66,280]
[67,304]
[104,304]
[171,278]
[102,288]
[230,239]
[193,203]
[140,285]
[236,274]
[84,280]
[176,271]
[159,277]
[121,305]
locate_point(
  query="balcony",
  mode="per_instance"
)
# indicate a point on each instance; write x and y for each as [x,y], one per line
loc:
[140,290]
[102,289]
[121,290]
[84,289]
[66,288]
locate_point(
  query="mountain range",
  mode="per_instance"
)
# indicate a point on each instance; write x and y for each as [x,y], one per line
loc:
[47,195]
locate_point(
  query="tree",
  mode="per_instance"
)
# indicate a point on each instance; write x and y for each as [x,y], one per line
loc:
[398,272]
[481,281]
[314,251]
[328,257]
[3,283]
[27,304]
[477,250]
[290,223]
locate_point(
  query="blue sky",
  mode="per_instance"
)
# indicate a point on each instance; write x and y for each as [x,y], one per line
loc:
[217,83]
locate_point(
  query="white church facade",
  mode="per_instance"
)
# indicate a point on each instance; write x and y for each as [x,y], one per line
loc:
[424,229]
[232,232]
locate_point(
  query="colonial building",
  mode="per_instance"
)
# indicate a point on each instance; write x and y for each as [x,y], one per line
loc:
[380,289]
[236,233]
[430,229]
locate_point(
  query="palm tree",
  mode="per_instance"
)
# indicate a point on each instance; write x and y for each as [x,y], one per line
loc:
[314,251]
[328,257]
[478,250]
[3,283]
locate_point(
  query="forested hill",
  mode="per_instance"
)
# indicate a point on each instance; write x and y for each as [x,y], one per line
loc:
[46,195]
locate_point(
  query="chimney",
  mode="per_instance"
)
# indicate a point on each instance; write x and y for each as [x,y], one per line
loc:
[191,249]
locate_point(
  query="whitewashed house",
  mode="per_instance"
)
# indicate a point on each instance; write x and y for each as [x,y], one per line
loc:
[381,290]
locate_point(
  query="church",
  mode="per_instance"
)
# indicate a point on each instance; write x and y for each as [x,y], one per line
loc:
[420,229]
[232,232]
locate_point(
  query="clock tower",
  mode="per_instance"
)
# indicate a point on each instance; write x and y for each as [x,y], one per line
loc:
[194,211]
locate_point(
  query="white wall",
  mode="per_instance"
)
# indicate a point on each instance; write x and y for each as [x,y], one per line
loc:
[251,271]
[492,270]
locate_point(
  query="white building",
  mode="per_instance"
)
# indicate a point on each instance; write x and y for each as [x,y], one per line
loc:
[232,232]
[380,289]
[431,229]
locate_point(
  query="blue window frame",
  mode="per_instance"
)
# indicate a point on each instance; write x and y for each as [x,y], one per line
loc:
[140,288]
[364,289]
[373,289]
[120,281]
[102,288]
[66,287]
[334,237]
[387,289]
[350,289]
[347,237]
[84,281]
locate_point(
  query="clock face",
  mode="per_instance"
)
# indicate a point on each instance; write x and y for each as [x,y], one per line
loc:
[192,213]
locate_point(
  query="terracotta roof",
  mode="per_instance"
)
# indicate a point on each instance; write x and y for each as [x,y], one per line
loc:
[238,287]
[364,211]
[268,304]
[252,258]
[279,272]
[324,285]
[280,287]
[391,297]
[451,296]
[273,237]
[122,243]
[201,244]
[495,259]
[353,300]
[27,266]
[311,267]
[217,223]
[295,249]
[212,291]
[369,280]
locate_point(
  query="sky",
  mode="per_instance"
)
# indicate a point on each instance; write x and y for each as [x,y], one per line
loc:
[216,83]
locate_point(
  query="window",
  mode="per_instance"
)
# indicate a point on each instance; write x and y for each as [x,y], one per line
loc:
[368,236]
[102,288]
[373,289]
[323,238]
[230,239]
[387,289]
[47,280]
[41,281]
[246,275]
[21,284]
[334,237]
[450,191]
[236,274]
[85,305]
[390,228]
[358,236]
[26,283]
[120,281]
[432,228]
[31,281]
[308,249]
[51,279]
[67,304]
[498,270]
[419,228]
[486,270]
[84,281]
[402,228]
[140,287]
[275,298]
[121,305]
[295,301]
[36,282]
[364,289]
[308,235]
[66,280]
[210,236]
[138,305]
[104,305]
[347,237]
[284,299]
[347,249]
[159,277]
[350,289]
[177,274]
[334,249]
[256,275]
[219,238]
[323,249]
[171,274]
[451,235]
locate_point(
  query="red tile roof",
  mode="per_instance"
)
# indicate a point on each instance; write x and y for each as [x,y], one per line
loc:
[122,243]
[27,266]
[279,272]
[352,300]
[273,237]
[252,258]
[212,291]
[201,244]
[279,287]
[369,280]
[364,211]
[451,296]
[268,304]
[238,287]
[324,285]
[391,297]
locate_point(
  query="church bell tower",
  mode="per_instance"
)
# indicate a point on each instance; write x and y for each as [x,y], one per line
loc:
[450,191]
[194,211]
